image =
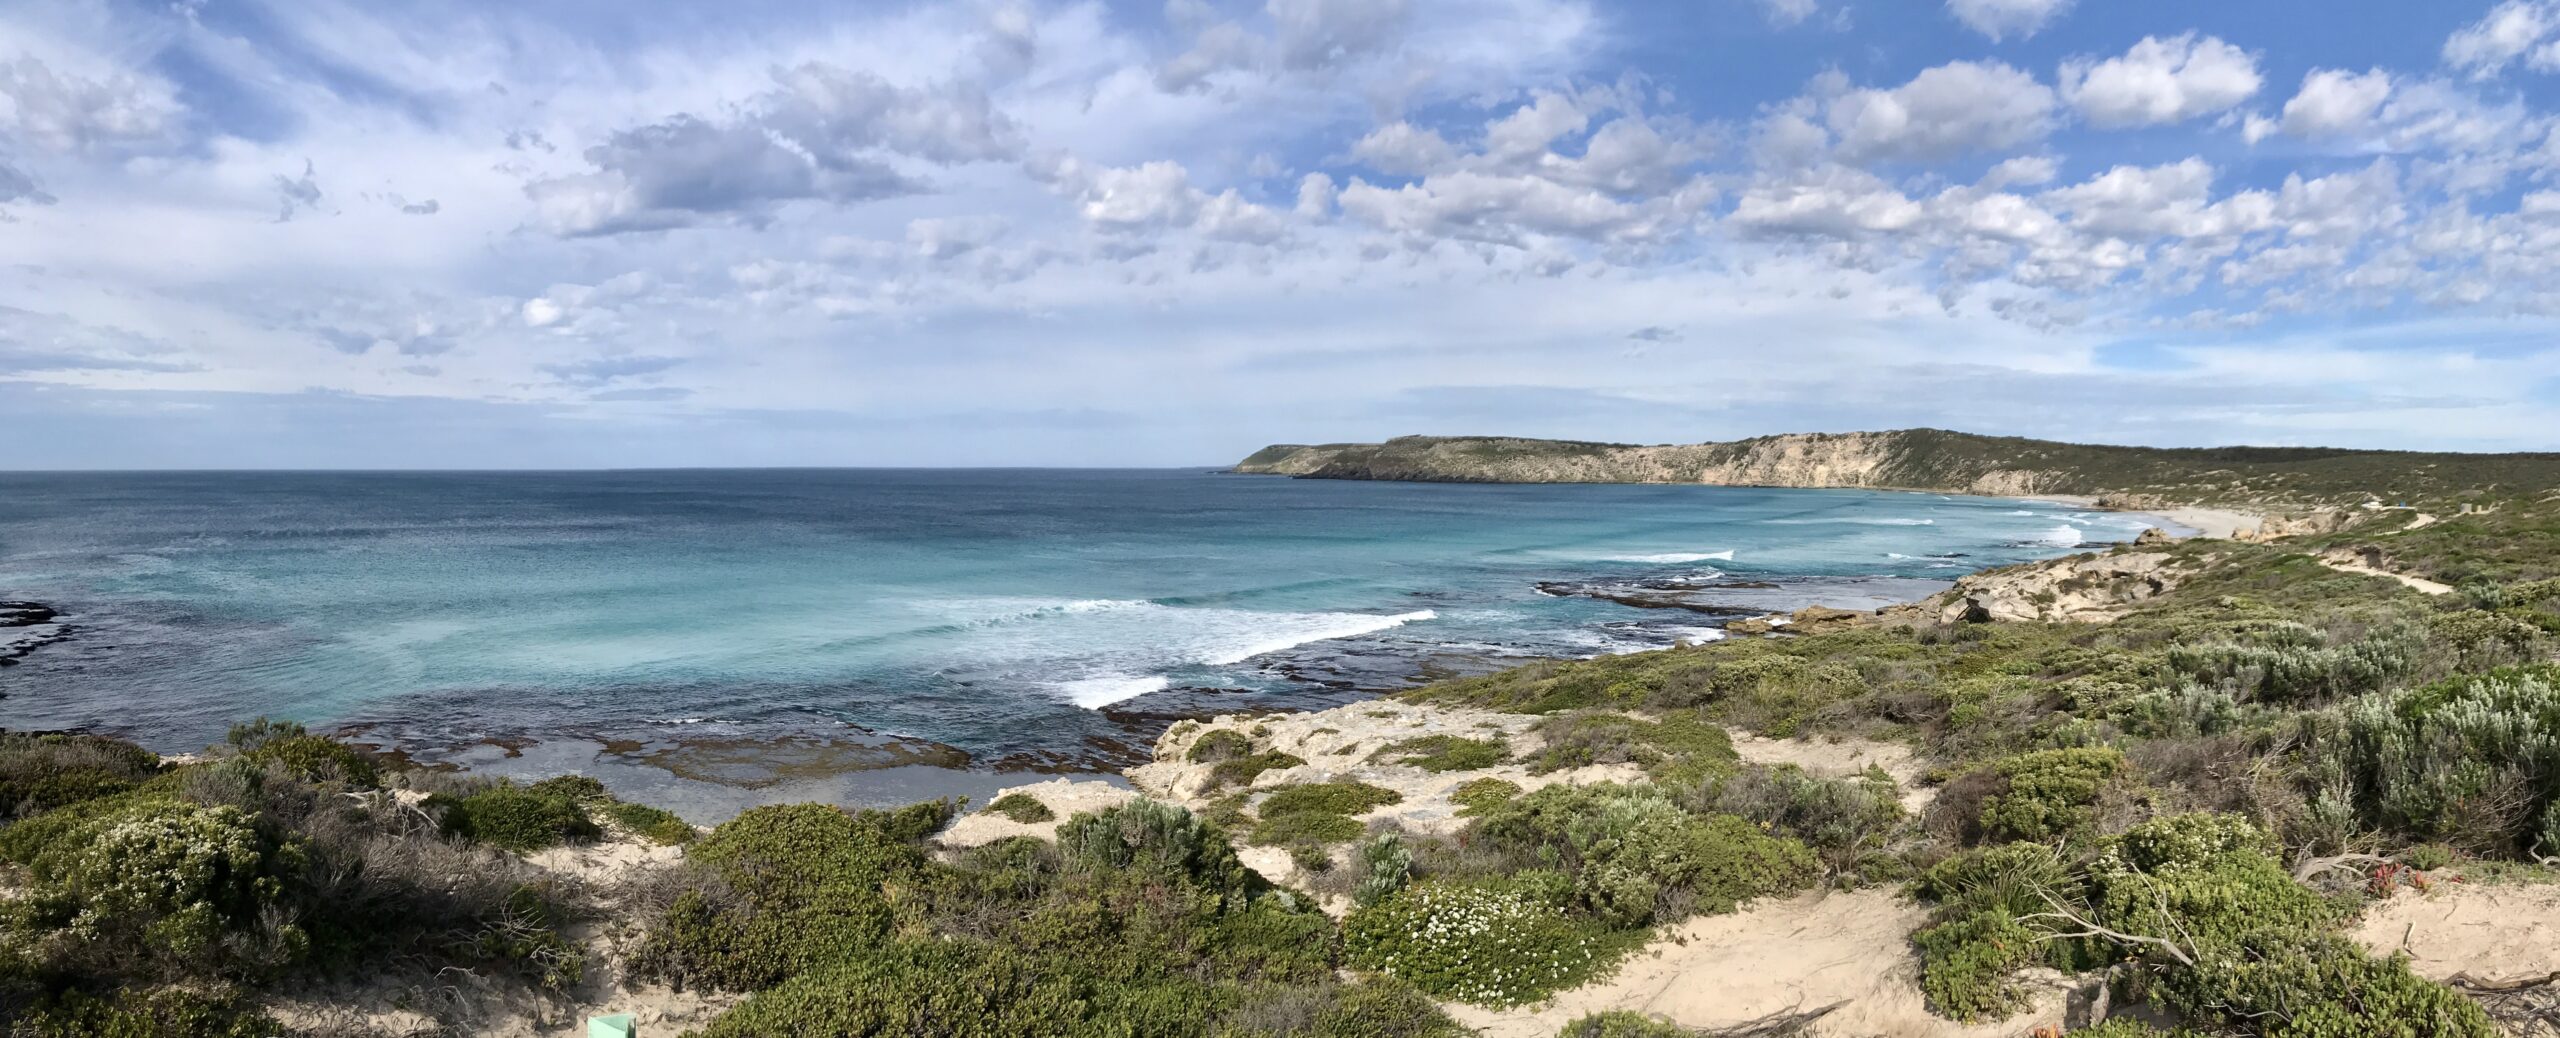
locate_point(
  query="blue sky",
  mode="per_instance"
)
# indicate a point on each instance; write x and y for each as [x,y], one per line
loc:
[314,233]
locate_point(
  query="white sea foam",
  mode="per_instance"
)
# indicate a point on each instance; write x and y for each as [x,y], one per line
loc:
[1315,627]
[2063,536]
[1103,690]
[1677,557]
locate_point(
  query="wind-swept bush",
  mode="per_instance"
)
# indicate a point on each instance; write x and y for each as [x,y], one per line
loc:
[160,890]
[522,818]
[1154,838]
[2472,760]
[2050,794]
[1636,858]
[41,772]
[782,890]
[311,758]
[1845,821]
[1386,865]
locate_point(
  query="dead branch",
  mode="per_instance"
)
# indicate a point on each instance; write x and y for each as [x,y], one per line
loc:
[2090,929]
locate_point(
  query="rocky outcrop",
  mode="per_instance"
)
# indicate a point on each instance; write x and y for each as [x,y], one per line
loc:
[2311,524]
[2082,588]
[26,627]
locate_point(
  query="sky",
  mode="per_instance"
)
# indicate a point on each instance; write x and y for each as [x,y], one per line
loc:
[576,233]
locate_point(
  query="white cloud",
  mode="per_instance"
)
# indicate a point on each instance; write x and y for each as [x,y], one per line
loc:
[2513,29]
[2000,19]
[1948,110]
[2335,102]
[1401,147]
[823,133]
[1783,13]
[2161,81]
[63,111]
[1834,201]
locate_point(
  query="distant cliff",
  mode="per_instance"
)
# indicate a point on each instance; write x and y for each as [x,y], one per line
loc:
[1941,461]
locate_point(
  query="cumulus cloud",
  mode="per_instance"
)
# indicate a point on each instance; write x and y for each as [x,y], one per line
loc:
[2000,19]
[1403,148]
[823,134]
[2333,102]
[1539,170]
[1952,109]
[2161,81]
[2513,29]
[1833,201]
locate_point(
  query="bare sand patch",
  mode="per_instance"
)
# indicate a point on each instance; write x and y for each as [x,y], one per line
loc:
[1849,952]
[2492,931]
[1065,798]
[2217,523]
[1843,758]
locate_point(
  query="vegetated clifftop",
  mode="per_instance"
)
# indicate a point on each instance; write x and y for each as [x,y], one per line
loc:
[1942,461]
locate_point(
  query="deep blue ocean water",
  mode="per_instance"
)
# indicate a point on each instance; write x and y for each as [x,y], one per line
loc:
[1000,612]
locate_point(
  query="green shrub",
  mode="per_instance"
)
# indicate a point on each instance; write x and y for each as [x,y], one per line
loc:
[1967,962]
[1156,839]
[2291,663]
[162,1013]
[1477,796]
[161,889]
[781,890]
[1386,865]
[658,825]
[41,772]
[311,758]
[2265,957]
[1023,808]
[1437,753]
[1681,749]
[1637,858]
[1219,744]
[1845,821]
[945,989]
[2473,759]
[520,818]
[2050,794]
[1621,1024]
[1498,944]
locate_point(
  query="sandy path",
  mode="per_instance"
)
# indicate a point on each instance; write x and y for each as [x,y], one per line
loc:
[2351,564]
[1849,950]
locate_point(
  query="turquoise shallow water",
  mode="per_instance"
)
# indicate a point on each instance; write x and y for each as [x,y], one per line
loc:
[1021,616]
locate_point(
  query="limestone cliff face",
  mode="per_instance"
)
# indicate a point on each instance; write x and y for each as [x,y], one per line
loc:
[1902,460]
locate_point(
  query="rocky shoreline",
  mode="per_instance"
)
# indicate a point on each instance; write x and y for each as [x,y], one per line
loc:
[26,627]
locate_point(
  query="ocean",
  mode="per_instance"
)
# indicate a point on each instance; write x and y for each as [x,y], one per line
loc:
[970,619]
